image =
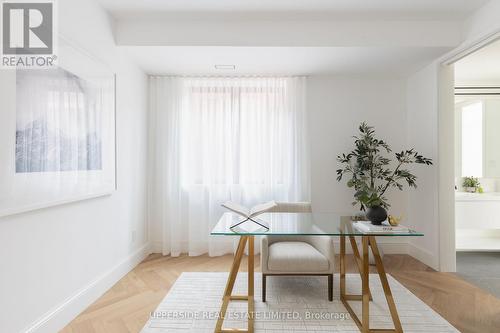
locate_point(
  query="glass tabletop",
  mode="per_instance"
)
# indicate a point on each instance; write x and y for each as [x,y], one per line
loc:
[300,224]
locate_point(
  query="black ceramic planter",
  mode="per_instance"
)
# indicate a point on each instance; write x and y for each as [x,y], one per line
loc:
[376,215]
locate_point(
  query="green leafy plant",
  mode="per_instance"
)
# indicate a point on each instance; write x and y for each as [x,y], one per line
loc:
[471,182]
[370,172]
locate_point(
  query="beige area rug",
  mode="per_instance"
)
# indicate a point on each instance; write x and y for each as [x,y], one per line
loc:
[294,304]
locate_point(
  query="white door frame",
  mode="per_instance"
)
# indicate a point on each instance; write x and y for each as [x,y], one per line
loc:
[446,150]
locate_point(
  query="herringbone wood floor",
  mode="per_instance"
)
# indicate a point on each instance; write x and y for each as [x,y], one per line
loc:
[126,306]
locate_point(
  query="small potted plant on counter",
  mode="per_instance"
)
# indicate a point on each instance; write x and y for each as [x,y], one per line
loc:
[470,184]
[371,175]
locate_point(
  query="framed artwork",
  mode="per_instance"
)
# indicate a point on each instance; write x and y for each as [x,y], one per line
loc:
[57,132]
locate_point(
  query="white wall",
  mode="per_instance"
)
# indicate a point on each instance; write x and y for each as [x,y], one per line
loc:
[233,29]
[422,106]
[55,261]
[430,122]
[336,107]
[485,20]
[431,127]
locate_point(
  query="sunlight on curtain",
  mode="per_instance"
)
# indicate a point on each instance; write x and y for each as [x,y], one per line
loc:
[219,139]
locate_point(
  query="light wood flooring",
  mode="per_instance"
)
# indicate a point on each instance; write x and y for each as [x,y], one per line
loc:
[126,306]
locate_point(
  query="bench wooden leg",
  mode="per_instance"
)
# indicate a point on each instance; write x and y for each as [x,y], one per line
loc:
[330,287]
[264,287]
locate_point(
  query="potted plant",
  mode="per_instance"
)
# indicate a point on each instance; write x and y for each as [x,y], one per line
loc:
[470,184]
[372,174]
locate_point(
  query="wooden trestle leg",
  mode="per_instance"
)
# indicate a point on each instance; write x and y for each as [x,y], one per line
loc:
[365,297]
[249,298]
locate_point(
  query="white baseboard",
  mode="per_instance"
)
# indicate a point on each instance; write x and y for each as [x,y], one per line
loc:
[389,248]
[424,256]
[157,247]
[55,319]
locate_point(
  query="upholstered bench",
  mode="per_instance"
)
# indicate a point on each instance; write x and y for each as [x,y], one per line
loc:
[297,255]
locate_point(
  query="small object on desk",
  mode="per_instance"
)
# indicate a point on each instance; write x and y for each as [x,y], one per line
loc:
[376,214]
[393,220]
[249,214]
[368,227]
[245,225]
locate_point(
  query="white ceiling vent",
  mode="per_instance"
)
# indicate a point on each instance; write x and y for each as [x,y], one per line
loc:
[225,67]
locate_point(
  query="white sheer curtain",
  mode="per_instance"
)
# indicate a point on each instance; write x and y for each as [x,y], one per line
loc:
[219,139]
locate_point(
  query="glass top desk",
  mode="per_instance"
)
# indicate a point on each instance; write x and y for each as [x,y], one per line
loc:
[307,224]
[294,224]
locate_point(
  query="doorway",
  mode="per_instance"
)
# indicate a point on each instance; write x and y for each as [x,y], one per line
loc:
[477,167]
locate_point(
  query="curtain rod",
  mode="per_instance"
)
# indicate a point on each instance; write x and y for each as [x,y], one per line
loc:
[458,91]
[477,94]
[477,87]
[232,76]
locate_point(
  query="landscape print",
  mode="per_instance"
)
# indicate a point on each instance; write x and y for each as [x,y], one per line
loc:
[58,122]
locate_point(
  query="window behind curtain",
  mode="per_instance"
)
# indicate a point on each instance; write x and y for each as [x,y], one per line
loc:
[222,139]
[472,140]
[235,133]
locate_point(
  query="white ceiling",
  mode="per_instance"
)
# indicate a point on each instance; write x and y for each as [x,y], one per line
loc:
[391,62]
[200,60]
[402,9]
[481,67]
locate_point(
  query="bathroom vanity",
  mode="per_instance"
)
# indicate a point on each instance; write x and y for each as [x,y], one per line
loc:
[477,221]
